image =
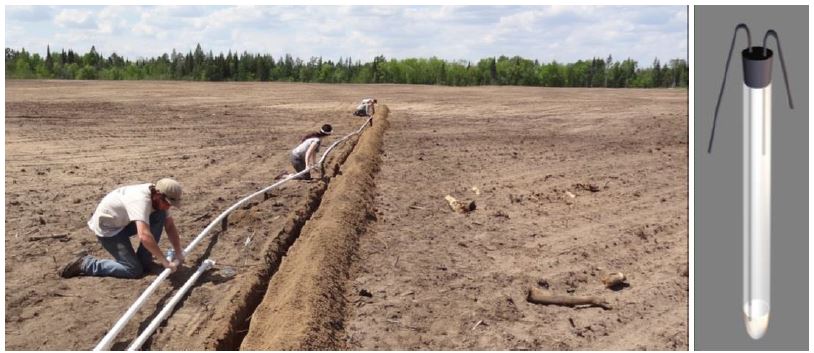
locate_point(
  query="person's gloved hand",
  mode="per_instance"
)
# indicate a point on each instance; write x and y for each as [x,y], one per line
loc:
[179,256]
[172,265]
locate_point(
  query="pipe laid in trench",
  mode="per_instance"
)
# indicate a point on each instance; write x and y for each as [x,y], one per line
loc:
[207,264]
[107,340]
[303,307]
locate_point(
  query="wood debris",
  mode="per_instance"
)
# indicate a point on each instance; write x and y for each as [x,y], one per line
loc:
[538,296]
[460,206]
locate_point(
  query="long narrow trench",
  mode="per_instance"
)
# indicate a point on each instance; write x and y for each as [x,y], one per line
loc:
[238,325]
[234,325]
[303,307]
[228,330]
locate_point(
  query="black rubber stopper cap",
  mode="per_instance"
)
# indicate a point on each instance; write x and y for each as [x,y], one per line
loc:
[757,67]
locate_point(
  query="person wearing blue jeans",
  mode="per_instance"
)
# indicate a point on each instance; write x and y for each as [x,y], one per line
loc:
[127,263]
[132,210]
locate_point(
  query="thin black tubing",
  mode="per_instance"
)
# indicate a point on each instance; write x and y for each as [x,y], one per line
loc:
[723,84]
[772,33]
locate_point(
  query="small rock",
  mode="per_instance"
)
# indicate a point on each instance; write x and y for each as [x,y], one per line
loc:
[227,271]
[613,279]
[684,270]
[365,293]
[590,187]
[77,200]
[500,214]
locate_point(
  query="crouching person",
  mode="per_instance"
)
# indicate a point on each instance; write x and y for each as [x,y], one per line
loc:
[366,109]
[305,154]
[141,209]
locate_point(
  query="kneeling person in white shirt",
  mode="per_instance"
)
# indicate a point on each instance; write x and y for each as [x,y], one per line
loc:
[129,210]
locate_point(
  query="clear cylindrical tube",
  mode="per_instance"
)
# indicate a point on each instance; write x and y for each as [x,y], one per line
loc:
[757,108]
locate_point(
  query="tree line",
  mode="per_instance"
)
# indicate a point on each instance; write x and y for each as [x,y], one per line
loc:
[197,65]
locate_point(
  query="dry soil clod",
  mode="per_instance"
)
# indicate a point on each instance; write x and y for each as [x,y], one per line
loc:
[538,296]
[588,187]
[613,279]
[460,206]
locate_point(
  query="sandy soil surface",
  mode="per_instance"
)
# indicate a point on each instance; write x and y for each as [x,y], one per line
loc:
[416,274]
[427,277]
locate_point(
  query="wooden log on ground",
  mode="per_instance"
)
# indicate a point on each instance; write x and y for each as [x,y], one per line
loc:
[43,237]
[537,296]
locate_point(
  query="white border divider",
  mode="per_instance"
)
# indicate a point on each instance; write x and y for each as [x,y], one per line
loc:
[207,264]
[107,341]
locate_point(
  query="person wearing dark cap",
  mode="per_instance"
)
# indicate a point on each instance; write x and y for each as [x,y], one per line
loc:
[305,154]
[141,209]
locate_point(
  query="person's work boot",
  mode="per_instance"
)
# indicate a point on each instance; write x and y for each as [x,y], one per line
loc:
[72,268]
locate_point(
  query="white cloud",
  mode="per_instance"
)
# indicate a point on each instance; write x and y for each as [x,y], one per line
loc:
[28,13]
[72,18]
[112,19]
[562,33]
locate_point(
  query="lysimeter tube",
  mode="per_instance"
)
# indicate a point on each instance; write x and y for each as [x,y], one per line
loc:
[757,162]
[757,176]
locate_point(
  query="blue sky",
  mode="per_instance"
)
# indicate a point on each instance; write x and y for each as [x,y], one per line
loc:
[562,33]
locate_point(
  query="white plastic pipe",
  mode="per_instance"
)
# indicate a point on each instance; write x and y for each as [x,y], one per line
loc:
[139,341]
[757,174]
[107,340]
[243,201]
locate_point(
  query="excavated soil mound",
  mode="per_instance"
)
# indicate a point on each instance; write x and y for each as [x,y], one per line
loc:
[303,308]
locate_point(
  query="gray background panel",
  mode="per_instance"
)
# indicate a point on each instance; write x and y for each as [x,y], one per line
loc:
[718,180]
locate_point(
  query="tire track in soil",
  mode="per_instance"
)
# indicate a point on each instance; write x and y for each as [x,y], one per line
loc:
[304,306]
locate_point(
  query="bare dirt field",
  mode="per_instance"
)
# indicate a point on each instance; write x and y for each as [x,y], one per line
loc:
[571,184]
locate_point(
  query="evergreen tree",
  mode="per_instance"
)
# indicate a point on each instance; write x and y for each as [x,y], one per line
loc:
[199,65]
